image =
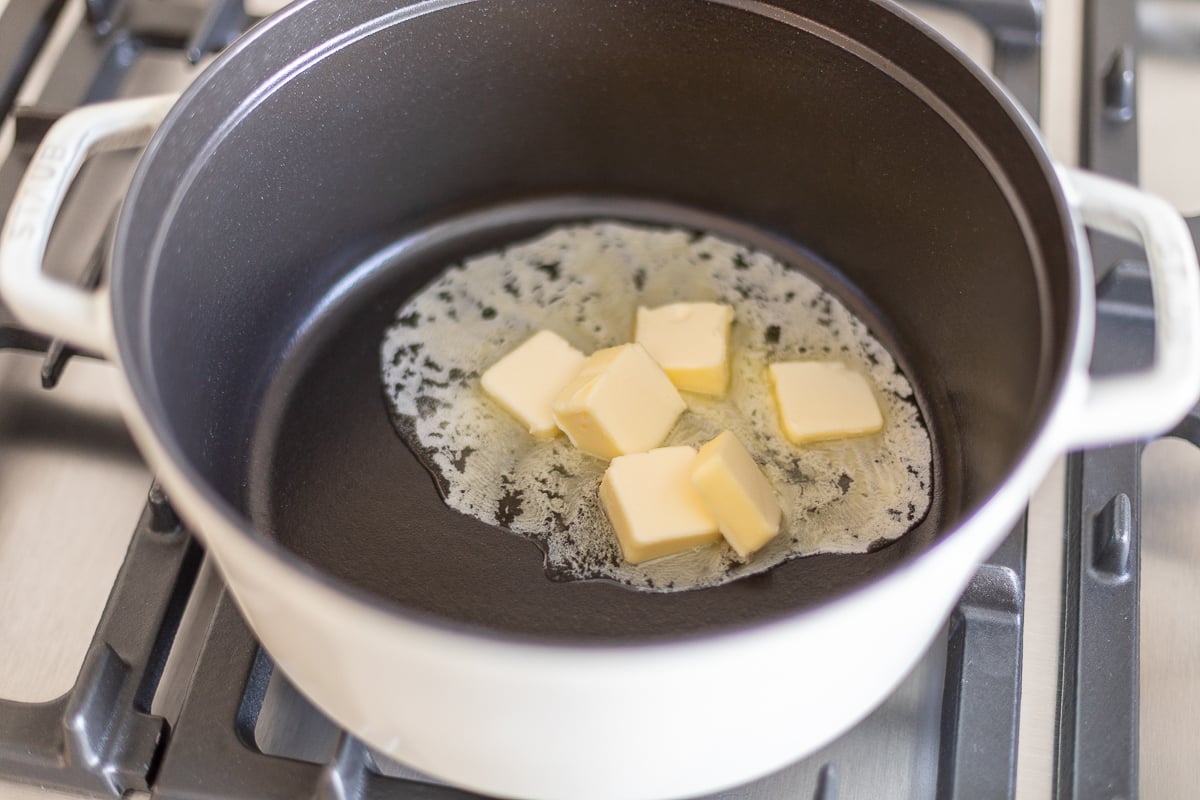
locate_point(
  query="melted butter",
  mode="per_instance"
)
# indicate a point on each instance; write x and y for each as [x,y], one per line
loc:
[585,282]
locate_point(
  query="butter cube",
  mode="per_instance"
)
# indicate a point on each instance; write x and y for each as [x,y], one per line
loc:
[690,341]
[526,380]
[650,500]
[821,400]
[619,402]
[737,494]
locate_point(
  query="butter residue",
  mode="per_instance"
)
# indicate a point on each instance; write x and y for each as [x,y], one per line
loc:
[585,283]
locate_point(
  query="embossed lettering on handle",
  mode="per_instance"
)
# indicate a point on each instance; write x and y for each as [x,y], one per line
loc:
[78,315]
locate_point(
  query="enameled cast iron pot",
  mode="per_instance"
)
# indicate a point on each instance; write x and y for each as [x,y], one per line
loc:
[334,159]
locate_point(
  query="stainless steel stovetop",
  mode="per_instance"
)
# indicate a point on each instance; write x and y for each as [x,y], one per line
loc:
[72,487]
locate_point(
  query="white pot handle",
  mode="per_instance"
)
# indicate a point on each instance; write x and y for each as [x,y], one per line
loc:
[1122,408]
[44,304]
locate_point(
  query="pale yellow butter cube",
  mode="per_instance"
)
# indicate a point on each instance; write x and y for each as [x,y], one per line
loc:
[619,402]
[650,500]
[690,341]
[526,381]
[737,494]
[821,400]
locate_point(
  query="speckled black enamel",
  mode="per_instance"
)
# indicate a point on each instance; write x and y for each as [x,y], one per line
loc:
[837,132]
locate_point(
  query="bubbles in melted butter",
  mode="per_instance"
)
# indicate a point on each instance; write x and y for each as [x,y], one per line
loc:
[585,282]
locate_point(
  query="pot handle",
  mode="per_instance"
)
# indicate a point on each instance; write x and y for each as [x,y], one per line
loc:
[1127,407]
[42,303]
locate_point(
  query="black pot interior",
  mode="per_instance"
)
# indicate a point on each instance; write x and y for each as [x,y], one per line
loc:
[796,126]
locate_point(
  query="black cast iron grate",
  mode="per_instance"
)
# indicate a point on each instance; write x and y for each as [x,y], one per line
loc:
[101,737]
[1097,720]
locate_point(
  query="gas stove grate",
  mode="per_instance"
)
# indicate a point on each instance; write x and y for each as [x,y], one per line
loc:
[100,737]
[1097,733]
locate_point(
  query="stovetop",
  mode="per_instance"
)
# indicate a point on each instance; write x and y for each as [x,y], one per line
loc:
[1051,678]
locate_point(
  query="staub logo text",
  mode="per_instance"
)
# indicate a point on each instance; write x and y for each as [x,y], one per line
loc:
[37,191]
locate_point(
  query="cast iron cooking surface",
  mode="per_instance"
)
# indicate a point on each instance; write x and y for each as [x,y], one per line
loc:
[333,481]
